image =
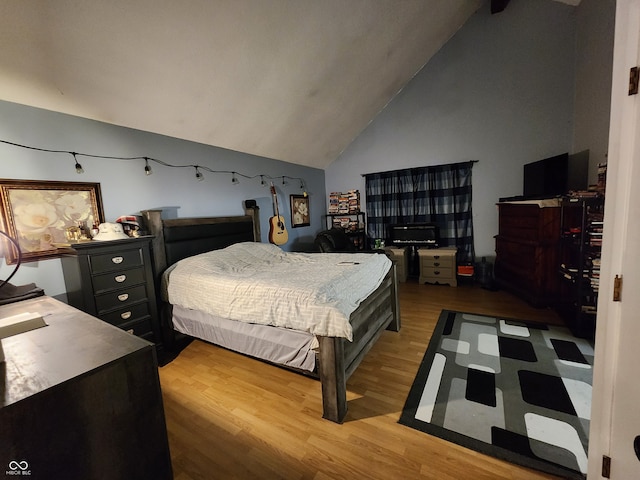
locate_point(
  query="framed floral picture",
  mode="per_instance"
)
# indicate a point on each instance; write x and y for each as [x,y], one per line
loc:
[44,217]
[299,211]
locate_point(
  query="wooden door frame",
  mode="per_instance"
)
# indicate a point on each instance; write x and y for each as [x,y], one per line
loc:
[623,125]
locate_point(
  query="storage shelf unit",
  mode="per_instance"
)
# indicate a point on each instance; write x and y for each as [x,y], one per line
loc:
[580,248]
[354,225]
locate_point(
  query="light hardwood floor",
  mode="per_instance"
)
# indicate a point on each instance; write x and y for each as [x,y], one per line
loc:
[232,417]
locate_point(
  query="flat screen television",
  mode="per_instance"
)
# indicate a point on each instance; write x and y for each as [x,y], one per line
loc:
[546,178]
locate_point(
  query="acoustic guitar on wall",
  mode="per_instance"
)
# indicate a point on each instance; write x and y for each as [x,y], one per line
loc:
[278,234]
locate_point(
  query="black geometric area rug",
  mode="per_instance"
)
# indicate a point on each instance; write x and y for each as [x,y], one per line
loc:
[515,390]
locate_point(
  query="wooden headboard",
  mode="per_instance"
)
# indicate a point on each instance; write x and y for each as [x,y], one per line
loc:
[179,238]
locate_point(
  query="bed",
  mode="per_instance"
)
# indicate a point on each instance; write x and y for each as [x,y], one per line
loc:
[330,357]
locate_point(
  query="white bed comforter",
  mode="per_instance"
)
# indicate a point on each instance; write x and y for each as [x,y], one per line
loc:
[260,283]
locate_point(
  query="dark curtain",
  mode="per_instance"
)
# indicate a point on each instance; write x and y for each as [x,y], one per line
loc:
[437,194]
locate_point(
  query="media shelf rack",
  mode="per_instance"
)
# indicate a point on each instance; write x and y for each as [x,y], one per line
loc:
[581,222]
[354,225]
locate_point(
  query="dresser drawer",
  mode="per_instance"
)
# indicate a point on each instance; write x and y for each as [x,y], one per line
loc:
[110,262]
[119,279]
[519,256]
[126,315]
[120,298]
[529,222]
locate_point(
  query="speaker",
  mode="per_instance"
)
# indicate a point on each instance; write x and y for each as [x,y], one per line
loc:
[250,204]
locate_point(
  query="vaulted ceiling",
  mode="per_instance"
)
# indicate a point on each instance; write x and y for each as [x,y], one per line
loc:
[293,80]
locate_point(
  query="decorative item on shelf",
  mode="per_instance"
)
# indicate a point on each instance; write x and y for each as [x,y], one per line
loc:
[110,231]
[131,225]
[72,234]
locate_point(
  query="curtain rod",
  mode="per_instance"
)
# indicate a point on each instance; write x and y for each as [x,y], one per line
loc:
[426,166]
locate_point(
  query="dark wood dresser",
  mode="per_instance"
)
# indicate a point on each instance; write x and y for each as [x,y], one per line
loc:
[527,248]
[80,399]
[113,281]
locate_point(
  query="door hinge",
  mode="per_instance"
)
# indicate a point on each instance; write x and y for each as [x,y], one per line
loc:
[617,288]
[606,466]
[634,77]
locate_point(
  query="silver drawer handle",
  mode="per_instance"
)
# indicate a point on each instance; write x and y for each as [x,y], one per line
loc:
[436,264]
[120,278]
[117,259]
[437,272]
[436,256]
[125,315]
[123,296]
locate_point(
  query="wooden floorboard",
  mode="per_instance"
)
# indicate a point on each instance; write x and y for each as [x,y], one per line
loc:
[232,417]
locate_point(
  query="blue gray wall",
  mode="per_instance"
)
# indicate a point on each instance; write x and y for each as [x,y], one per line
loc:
[501,91]
[126,189]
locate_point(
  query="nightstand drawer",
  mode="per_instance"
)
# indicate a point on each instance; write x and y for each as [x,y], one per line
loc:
[437,272]
[119,279]
[443,276]
[126,315]
[116,261]
[437,261]
[141,328]
[120,298]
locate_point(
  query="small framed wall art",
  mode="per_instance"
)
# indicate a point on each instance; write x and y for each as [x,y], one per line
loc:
[299,211]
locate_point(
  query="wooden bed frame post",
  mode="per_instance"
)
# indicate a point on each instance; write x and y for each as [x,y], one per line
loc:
[395,299]
[153,219]
[254,212]
[333,378]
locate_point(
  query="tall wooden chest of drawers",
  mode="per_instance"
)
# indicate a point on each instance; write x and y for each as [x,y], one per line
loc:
[113,280]
[438,265]
[527,251]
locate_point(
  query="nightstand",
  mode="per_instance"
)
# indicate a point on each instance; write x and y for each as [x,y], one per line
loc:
[438,265]
[113,281]
[399,255]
